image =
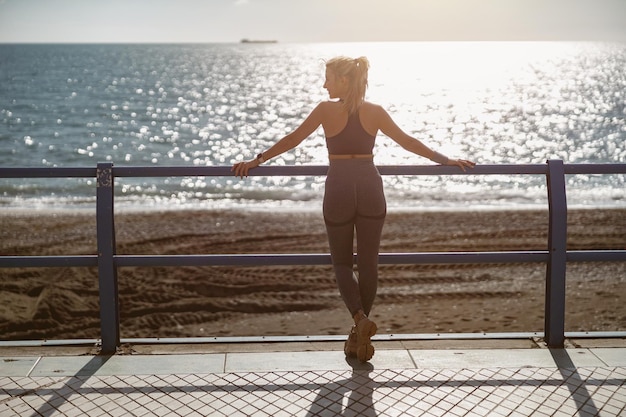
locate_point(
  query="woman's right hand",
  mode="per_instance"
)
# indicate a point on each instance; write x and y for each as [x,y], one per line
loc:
[241,168]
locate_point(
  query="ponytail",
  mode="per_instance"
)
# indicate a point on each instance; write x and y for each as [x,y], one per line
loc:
[355,71]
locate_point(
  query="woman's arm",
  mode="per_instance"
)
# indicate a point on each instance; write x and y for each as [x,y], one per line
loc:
[288,142]
[411,144]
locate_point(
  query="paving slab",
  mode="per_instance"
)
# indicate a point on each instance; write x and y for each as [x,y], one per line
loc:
[504,358]
[313,361]
[17,366]
[129,365]
[611,356]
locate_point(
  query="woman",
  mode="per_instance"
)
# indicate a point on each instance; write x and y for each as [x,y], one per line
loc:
[354,198]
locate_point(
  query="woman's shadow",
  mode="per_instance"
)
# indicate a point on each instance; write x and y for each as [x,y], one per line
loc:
[359,388]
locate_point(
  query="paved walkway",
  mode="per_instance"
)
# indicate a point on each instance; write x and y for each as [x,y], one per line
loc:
[398,382]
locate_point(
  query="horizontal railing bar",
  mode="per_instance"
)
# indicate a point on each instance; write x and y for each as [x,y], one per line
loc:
[48,261]
[320,170]
[324,259]
[378,337]
[221,260]
[314,170]
[48,172]
[175,171]
[598,334]
[595,168]
[596,256]
[463,257]
[47,342]
[301,170]
[306,259]
[329,338]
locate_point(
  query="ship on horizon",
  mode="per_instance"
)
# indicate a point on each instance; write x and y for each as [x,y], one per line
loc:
[246,40]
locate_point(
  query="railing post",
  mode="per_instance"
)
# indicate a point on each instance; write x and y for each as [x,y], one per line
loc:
[557,256]
[107,272]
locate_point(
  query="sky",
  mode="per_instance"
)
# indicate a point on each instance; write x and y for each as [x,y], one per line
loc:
[184,21]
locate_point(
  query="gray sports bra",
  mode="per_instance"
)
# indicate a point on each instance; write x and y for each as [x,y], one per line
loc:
[353,139]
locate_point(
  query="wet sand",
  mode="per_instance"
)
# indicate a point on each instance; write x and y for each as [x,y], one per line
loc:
[54,303]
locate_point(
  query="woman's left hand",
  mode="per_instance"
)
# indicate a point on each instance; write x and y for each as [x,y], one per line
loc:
[461,163]
[241,169]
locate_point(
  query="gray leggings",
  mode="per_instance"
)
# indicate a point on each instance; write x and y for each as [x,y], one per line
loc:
[354,200]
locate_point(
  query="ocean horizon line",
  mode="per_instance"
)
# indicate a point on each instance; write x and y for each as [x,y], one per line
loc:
[279,42]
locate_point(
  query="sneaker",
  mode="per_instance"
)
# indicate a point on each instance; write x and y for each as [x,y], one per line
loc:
[350,346]
[365,329]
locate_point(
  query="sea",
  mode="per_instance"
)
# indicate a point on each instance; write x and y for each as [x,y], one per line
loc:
[74,105]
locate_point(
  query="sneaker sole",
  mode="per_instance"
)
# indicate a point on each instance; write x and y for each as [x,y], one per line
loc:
[365,350]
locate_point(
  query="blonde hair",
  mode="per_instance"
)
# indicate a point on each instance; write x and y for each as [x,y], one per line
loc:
[355,71]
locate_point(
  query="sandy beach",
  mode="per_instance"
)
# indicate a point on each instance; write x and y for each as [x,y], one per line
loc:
[53,303]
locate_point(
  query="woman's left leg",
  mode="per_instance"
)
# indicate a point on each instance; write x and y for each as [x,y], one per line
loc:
[371,211]
[340,240]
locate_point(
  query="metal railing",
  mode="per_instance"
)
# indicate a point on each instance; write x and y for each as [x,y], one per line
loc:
[107,260]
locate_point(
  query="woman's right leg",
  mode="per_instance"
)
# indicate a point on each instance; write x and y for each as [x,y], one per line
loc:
[368,231]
